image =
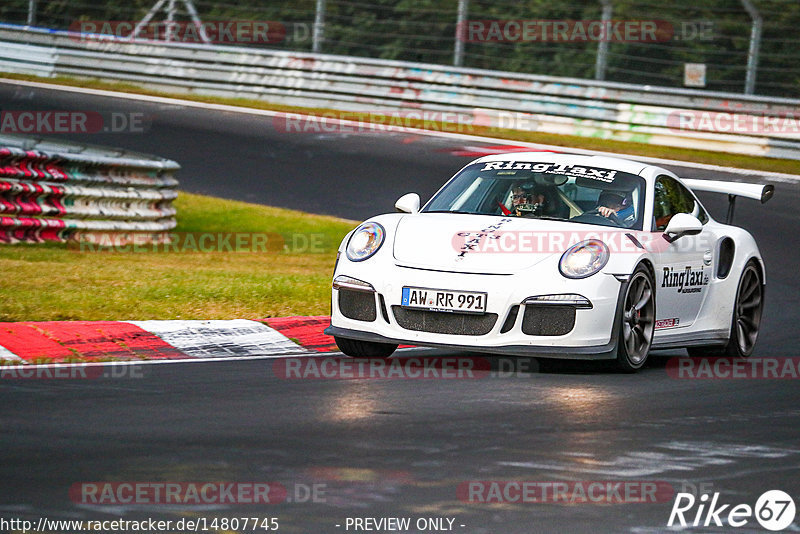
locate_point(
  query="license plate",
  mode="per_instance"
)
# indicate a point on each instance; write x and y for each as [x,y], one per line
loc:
[444,300]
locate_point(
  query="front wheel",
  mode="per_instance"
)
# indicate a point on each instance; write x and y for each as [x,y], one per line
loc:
[637,321]
[364,349]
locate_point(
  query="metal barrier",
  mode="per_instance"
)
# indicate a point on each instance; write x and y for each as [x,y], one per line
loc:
[53,191]
[685,118]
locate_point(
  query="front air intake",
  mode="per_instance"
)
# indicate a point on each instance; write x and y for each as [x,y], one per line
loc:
[460,324]
[544,320]
[358,305]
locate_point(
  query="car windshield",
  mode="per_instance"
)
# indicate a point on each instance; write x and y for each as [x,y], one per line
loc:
[555,191]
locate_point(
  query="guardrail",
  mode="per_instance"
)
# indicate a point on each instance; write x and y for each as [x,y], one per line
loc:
[655,115]
[53,191]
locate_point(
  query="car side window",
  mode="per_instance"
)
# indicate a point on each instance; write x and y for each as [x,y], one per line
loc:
[672,197]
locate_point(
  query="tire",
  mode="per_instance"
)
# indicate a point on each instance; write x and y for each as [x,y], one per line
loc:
[745,320]
[637,321]
[364,349]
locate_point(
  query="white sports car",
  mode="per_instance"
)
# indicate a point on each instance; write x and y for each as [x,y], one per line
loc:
[553,255]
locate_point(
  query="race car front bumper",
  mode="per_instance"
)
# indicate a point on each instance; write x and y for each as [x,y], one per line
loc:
[515,324]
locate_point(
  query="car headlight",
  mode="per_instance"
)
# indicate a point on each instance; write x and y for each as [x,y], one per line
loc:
[365,241]
[583,259]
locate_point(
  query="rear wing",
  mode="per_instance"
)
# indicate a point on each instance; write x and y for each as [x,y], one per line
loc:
[758,192]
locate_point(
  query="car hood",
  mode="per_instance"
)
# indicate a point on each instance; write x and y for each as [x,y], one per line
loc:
[481,244]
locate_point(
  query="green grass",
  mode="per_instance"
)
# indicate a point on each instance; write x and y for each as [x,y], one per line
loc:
[590,143]
[51,282]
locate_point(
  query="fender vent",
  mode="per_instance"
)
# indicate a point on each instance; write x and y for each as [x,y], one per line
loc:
[725,257]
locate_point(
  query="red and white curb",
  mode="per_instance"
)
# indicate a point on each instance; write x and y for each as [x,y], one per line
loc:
[98,341]
[220,339]
[8,356]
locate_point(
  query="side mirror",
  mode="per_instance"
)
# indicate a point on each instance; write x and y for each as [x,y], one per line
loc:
[682,224]
[408,203]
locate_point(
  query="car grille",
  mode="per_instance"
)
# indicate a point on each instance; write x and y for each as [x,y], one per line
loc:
[461,324]
[358,305]
[548,320]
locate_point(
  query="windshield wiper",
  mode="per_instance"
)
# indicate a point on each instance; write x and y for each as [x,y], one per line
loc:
[452,211]
[545,218]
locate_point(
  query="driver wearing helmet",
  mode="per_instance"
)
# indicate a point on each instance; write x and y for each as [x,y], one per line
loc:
[526,203]
[619,205]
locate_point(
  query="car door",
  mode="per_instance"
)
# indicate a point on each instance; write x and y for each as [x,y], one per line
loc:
[684,266]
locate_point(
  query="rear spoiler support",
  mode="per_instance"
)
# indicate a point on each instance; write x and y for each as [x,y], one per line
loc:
[758,192]
[731,207]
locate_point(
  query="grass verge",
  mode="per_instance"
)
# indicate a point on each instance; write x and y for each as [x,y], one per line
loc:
[589,143]
[51,282]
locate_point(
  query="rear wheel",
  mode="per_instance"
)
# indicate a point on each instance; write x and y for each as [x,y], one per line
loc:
[637,322]
[746,319]
[364,349]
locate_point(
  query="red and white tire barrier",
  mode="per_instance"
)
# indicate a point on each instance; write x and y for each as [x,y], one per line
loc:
[58,191]
[87,341]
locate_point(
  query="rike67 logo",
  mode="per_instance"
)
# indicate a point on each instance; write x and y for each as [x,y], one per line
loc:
[774,510]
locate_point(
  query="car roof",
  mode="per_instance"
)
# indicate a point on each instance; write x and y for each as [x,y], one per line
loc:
[601,162]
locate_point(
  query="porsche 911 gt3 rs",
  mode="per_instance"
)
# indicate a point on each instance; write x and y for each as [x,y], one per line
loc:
[553,255]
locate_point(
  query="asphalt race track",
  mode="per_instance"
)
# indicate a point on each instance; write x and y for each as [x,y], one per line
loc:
[395,448]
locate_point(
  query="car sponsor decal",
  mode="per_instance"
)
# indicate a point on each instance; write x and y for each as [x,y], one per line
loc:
[573,171]
[667,323]
[472,240]
[686,280]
